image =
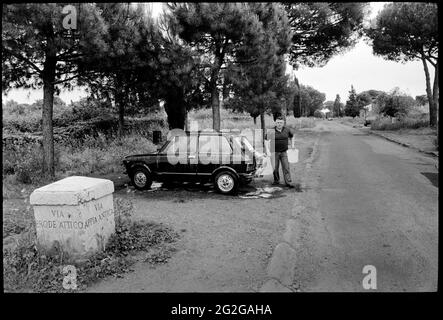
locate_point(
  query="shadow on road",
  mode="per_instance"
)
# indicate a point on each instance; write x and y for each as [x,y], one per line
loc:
[432,176]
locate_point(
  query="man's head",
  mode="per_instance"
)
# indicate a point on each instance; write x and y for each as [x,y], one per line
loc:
[279,122]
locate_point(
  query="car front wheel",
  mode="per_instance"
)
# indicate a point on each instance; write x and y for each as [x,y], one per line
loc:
[226,183]
[141,178]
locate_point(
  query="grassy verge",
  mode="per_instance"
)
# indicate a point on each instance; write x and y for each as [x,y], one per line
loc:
[404,123]
[99,156]
[25,269]
[240,121]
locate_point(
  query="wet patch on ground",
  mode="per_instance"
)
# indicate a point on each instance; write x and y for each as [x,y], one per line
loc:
[186,191]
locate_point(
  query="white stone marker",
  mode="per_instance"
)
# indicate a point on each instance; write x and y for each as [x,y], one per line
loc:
[77,212]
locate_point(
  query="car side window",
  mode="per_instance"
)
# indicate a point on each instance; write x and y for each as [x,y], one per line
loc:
[214,149]
[214,144]
[192,144]
[178,144]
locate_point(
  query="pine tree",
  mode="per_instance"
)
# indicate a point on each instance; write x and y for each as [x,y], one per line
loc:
[37,54]
[337,106]
[216,31]
[352,106]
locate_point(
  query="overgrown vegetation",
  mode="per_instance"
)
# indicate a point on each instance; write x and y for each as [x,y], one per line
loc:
[28,270]
[85,140]
[240,120]
[406,122]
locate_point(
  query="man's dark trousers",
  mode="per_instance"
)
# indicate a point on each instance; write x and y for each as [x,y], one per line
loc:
[282,157]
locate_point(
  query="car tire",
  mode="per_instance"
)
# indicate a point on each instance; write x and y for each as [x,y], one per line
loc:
[141,178]
[226,182]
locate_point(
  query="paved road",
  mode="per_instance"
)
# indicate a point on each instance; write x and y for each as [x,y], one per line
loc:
[370,202]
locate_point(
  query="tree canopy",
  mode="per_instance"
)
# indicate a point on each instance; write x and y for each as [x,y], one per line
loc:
[217,31]
[321,30]
[405,31]
[261,85]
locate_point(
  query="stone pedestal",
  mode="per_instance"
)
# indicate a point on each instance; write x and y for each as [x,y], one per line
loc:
[76,213]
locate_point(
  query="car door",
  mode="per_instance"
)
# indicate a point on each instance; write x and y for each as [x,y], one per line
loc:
[213,152]
[174,162]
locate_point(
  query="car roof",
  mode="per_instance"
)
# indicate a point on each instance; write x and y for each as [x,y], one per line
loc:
[213,133]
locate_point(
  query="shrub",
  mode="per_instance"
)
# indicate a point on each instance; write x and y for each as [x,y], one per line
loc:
[403,122]
[24,161]
[299,123]
[318,114]
[22,123]
[101,155]
[395,103]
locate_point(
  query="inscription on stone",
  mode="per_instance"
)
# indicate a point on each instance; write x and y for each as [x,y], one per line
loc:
[74,224]
[76,212]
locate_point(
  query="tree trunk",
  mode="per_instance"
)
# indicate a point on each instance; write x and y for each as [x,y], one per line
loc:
[176,109]
[187,124]
[225,91]
[299,107]
[432,112]
[435,97]
[215,103]
[262,123]
[119,101]
[121,118]
[215,96]
[47,112]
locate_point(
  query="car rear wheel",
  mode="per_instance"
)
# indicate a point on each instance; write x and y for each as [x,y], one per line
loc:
[141,178]
[226,182]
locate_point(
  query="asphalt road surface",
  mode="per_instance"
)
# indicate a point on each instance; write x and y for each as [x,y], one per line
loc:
[370,202]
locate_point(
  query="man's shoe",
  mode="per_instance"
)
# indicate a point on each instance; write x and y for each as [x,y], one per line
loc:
[290,186]
[275,183]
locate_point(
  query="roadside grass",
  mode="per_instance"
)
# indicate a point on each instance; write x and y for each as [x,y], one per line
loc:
[22,166]
[101,155]
[240,121]
[29,119]
[25,269]
[356,120]
[403,123]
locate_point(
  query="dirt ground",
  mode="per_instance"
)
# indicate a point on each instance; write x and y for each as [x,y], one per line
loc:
[226,241]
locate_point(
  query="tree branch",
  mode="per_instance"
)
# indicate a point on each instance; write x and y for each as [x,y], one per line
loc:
[67,79]
[24,59]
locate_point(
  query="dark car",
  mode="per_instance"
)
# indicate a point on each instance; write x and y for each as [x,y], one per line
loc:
[224,159]
[369,120]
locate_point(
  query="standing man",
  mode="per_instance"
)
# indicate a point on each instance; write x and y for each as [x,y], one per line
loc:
[279,137]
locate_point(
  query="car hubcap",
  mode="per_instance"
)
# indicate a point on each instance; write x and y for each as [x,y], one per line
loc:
[140,179]
[225,182]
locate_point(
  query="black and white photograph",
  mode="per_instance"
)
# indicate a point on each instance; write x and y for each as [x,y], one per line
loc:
[220,147]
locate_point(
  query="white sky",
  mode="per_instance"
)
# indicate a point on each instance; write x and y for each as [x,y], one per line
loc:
[360,68]
[357,67]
